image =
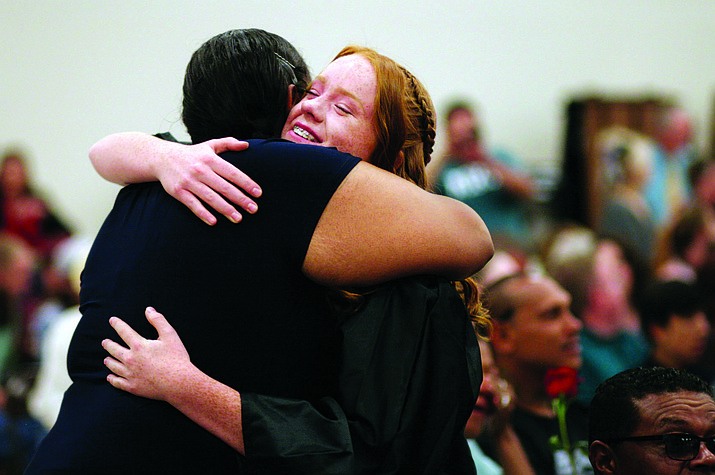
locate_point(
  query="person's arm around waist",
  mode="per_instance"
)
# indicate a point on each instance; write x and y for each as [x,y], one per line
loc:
[284,433]
[161,369]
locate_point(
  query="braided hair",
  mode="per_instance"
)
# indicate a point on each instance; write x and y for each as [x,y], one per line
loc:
[405,127]
[405,118]
[421,130]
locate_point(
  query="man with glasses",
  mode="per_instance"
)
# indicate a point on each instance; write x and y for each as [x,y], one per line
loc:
[652,421]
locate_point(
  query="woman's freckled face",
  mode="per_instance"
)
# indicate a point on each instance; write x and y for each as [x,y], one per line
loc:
[338,109]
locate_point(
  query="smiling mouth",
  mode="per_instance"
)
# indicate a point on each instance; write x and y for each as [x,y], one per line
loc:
[300,132]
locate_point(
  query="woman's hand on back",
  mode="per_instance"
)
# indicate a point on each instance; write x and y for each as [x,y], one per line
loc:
[195,174]
[147,368]
[189,173]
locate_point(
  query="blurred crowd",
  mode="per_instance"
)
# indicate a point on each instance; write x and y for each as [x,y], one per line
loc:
[40,262]
[634,288]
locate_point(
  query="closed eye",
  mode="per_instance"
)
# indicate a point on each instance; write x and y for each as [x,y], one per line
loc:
[344,109]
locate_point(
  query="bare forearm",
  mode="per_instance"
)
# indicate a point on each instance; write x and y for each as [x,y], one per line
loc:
[517,184]
[211,404]
[128,157]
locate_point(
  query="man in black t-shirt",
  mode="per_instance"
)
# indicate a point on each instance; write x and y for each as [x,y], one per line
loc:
[535,331]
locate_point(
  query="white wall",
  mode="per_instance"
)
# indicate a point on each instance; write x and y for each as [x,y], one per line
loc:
[74,71]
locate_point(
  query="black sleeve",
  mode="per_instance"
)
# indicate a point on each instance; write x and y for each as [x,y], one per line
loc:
[296,437]
[410,374]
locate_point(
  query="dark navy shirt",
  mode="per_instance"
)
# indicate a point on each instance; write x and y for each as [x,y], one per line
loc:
[234,292]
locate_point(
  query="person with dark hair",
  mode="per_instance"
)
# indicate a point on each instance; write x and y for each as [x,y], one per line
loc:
[676,325]
[365,395]
[652,421]
[686,247]
[534,332]
[491,416]
[210,106]
[327,218]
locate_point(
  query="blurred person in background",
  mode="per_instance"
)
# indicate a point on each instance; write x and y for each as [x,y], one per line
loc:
[28,217]
[45,397]
[686,247]
[20,433]
[491,415]
[627,216]
[668,189]
[678,328]
[487,180]
[23,212]
[602,281]
[17,266]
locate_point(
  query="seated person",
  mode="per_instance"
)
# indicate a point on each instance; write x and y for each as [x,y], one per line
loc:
[534,332]
[652,421]
[603,281]
[676,325]
[490,181]
[491,415]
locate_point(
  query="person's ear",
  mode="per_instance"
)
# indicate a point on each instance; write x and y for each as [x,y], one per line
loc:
[293,98]
[602,457]
[399,160]
[501,337]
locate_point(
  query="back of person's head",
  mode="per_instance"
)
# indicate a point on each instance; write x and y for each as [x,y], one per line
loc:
[613,412]
[663,299]
[405,118]
[236,85]
[569,259]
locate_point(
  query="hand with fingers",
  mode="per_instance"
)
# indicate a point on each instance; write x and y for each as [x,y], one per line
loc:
[147,368]
[196,173]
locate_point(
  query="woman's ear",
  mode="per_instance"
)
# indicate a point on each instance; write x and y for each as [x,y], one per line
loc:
[399,160]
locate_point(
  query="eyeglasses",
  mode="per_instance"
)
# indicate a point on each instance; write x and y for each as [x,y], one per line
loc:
[682,447]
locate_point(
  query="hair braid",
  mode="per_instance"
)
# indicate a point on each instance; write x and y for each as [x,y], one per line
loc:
[428,128]
[406,122]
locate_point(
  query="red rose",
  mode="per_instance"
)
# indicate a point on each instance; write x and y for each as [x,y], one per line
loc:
[562,381]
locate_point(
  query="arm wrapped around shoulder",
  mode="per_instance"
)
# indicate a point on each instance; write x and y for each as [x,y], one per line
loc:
[378,227]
